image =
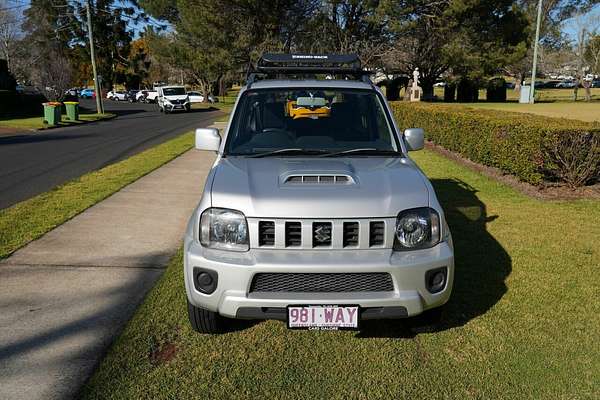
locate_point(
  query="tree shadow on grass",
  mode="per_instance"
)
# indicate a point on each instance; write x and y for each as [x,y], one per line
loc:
[481,263]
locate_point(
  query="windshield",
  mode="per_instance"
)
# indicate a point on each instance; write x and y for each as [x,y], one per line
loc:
[324,120]
[174,91]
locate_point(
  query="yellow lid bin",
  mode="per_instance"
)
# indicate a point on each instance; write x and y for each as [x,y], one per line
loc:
[72,110]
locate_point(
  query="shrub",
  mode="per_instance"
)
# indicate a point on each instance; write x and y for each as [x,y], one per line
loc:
[20,105]
[533,148]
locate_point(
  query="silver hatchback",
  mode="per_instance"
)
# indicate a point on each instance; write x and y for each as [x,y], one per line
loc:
[313,213]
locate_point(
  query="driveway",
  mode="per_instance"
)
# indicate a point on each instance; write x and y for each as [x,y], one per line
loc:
[34,163]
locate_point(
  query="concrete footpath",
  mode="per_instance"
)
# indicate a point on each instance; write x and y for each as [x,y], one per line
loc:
[65,297]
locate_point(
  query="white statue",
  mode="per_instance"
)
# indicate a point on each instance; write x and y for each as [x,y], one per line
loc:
[416,75]
[415,91]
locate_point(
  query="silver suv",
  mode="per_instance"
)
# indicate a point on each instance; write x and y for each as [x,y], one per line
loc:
[313,213]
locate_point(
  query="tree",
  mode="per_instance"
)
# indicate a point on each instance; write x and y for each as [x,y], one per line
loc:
[9,33]
[592,54]
[345,26]
[587,24]
[112,38]
[48,31]
[553,42]
[214,37]
[53,76]
[469,38]
[138,63]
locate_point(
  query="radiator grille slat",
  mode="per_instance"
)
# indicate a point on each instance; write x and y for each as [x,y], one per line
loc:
[376,233]
[350,234]
[322,282]
[293,234]
[266,233]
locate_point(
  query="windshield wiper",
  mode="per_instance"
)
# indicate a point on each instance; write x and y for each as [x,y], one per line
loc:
[364,151]
[294,151]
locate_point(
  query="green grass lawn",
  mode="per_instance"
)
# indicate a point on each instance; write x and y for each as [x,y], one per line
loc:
[30,219]
[581,110]
[523,322]
[38,122]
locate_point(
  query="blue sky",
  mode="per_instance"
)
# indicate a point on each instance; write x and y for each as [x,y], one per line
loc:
[571,27]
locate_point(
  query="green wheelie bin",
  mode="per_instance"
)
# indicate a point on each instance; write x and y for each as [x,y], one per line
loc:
[72,110]
[52,112]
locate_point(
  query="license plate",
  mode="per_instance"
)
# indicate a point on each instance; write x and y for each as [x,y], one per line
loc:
[328,317]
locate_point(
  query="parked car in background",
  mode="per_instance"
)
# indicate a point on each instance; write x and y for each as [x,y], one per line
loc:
[172,98]
[132,95]
[150,96]
[87,94]
[596,83]
[566,84]
[73,92]
[118,95]
[551,84]
[197,97]
[140,96]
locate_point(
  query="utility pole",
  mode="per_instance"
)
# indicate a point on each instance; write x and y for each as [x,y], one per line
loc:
[535,51]
[99,105]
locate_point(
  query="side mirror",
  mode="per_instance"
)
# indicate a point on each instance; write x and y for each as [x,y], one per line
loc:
[414,138]
[208,139]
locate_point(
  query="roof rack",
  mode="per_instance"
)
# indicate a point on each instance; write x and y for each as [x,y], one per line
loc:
[276,65]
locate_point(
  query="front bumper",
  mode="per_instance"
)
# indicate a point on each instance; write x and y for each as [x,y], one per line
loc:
[177,107]
[232,297]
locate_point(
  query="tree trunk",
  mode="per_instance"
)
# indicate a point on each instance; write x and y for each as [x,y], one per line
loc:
[518,83]
[427,87]
[205,88]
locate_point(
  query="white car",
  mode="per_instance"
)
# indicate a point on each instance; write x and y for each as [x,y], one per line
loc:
[313,212]
[172,98]
[150,96]
[197,97]
[119,95]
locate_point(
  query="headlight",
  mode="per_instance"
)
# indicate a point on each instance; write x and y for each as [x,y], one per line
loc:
[418,228]
[224,229]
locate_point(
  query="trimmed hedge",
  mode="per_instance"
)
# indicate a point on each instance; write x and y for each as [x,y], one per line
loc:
[20,105]
[531,147]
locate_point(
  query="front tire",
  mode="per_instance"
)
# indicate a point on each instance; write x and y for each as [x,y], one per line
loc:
[205,321]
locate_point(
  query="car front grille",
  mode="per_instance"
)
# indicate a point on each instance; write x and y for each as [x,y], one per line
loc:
[322,282]
[322,234]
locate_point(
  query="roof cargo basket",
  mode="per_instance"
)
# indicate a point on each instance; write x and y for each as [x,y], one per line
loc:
[341,66]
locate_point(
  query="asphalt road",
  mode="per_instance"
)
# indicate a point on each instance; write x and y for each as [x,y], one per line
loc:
[34,163]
